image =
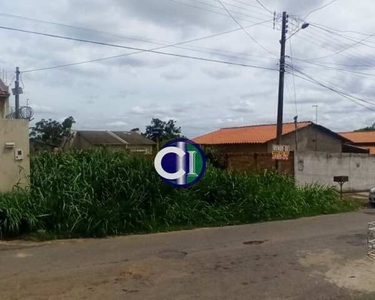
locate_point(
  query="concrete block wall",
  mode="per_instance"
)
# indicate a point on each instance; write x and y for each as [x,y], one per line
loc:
[14,171]
[321,167]
[252,162]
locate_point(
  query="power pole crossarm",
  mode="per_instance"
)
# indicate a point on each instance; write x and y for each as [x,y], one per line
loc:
[281,85]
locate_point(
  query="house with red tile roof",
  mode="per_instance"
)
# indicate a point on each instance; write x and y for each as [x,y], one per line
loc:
[361,139]
[305,136]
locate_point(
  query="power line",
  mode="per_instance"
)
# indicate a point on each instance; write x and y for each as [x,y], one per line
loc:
[340,51]
[77,27]
[329,41]
[336,44]
[208,10]
[345,95]
[337,83]
[319,8]
[135,38]
[335,69]
[248,34]
[353,95]
[140,51]
[344,31]
[294,84]
[246,4]
[127,47]
[232,5]
[265,8]
[334,36]
[368,36]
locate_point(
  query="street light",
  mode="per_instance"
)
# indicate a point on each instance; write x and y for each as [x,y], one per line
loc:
[304,26]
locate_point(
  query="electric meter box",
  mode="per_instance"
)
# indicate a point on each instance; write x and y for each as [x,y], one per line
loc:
[18,154]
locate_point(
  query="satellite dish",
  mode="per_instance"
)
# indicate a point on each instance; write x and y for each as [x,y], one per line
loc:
[26,112]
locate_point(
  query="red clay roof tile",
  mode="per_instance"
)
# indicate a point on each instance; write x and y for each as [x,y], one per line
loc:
[256,134]
[360,136]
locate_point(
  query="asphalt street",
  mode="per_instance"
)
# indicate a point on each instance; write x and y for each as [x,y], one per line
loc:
[321,257]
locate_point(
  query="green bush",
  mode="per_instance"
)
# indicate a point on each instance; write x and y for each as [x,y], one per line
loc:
[98,193]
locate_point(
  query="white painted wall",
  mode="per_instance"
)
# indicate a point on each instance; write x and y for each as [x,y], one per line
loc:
[14,171]
[320,167]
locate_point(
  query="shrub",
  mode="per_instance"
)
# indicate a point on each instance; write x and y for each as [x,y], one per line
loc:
[97,193]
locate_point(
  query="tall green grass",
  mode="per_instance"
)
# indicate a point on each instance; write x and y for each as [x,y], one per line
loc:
[99,193]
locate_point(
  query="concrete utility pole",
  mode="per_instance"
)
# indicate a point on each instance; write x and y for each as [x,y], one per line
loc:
[17,93]
[281,86]
[296,129]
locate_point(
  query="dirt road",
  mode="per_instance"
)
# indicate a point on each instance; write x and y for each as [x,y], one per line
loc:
[311,258]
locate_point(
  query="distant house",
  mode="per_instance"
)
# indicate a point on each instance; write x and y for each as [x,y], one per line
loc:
[115,140]
[260,138]
[361,139]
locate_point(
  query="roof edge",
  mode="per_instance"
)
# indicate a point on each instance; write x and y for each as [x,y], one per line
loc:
[270,124]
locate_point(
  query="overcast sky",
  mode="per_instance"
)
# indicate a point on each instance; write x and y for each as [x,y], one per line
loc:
[127,92]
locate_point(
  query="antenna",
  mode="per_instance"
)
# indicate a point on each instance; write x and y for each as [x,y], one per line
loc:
[274,19]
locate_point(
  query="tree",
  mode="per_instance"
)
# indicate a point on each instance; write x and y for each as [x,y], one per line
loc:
[52,132]
[369,128]
[162,130]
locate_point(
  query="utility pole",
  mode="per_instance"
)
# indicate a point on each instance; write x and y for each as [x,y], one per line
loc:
[17,93]
[281,86]
[296,136]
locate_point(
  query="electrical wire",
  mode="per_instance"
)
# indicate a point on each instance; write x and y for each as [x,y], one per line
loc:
[128,54]
[294,84]
[347,46]
[23,85]
[338,83]
[244,30]
[131,38]
[310,38]
[246,4]
[14,77]
[353,94]
[335,69]
[208,10]
[340,51]
[75,27]
[345,95]
[343,31]
[265,8]
[319,8]
[368,36]
[232,5]
[333,41]
[333,36]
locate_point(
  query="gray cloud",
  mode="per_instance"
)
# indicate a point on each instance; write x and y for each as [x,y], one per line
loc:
[136,88]
[217,73]
[174,74]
